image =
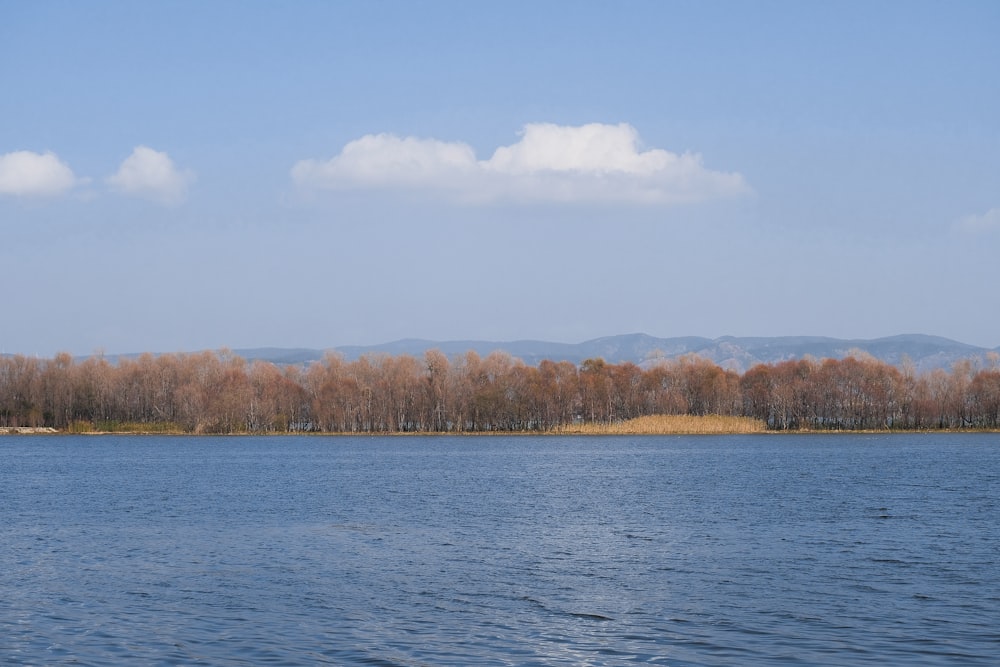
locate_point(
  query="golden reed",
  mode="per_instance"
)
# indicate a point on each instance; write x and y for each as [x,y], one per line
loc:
[669,425]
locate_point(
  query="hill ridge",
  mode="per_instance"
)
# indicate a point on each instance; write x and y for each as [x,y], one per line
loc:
[739,353]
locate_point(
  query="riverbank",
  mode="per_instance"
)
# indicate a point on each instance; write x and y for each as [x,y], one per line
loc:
[651,425]
[25,430]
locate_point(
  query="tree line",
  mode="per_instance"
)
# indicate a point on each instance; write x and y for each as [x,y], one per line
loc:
[219,392]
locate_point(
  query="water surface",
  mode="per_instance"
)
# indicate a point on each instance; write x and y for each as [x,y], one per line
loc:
[733,550]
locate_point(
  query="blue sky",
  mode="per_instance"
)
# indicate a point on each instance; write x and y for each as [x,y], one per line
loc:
[180,176]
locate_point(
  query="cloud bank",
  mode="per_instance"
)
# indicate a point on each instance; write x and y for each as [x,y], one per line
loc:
[152,175]
[989,221]
[28,174]
[585,164]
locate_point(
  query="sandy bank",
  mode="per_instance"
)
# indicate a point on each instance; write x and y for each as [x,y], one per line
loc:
[20,430]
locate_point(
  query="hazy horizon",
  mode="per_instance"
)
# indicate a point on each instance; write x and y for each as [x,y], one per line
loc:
[732,352]
[529,340]
[187,176]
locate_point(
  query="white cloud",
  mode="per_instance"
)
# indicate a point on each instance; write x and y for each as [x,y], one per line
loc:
[378,160]
[594,148]
[989,221]
[588,163]
[152,175]
[30,174]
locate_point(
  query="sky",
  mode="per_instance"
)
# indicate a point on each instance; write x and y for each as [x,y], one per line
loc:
[179,176]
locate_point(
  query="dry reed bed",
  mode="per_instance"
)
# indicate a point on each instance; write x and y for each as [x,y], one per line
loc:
[670,425]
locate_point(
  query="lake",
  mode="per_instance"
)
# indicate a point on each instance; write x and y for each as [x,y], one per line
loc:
[674,550]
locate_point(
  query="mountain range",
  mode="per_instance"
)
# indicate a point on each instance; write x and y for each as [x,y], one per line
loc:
[736,353]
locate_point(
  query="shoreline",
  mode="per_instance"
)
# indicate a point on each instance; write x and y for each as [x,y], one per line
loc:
[47,430]
[28,430]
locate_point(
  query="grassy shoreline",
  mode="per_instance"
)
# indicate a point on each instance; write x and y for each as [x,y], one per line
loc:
[649,425]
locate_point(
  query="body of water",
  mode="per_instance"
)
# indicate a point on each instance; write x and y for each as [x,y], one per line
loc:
[733,550]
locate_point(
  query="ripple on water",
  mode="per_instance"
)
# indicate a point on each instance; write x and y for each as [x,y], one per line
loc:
[520,551]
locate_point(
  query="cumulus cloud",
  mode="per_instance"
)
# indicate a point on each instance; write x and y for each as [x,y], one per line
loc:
[24,173]
[587,163]
[385,160]
[152,175]
[989,221]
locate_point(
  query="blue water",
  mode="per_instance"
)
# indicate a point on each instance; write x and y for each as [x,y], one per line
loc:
[736,550]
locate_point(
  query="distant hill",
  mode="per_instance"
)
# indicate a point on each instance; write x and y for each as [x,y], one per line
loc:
[925,352]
